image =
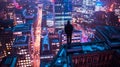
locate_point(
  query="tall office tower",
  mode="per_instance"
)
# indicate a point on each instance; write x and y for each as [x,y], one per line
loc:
[6,37]
[21,48]
[77,2]
[63,9]
[88,2]
[6,40]
[55,43]
[22,43]
[76,37]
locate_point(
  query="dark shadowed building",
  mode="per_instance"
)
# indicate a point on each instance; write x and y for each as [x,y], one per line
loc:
[109,34]
[94,54]
[9,61]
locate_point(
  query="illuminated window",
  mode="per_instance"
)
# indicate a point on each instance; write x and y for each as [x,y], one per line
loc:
[58,45]
[25,52]
[7,44]
[7,48]
[8,52]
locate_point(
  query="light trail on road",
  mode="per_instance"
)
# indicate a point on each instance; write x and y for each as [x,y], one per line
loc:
[37,31]
[84,36]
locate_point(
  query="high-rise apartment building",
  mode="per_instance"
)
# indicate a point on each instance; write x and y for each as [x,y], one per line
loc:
[76,37]
[55,43]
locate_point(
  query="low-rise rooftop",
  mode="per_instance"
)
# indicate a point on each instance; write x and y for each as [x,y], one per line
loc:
[21,41]
[9,61]
[76,49]
[111,35]
[87,47]
[22,28]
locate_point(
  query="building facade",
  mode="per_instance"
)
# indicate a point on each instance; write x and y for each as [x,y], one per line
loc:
[93,54]
[21,47]
[76,37]
[63,10]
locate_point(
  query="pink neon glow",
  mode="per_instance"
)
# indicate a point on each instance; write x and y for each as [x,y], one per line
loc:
[52,1]
[84,36]
[17,5]
[118,20]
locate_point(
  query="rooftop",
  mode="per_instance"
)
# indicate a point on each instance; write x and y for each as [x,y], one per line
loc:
[111,35]
[22,28]
[21,41]
[89,47]
[79,49]
[29,21]
[9,61]
[6,23]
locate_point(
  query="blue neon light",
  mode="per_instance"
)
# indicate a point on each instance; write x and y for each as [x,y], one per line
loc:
[99,3]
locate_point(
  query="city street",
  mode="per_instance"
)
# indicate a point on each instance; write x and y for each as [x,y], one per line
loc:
[37,32]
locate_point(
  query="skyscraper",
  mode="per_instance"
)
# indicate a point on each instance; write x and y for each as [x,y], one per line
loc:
[21,47]
[63,9]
